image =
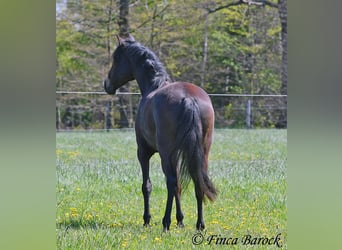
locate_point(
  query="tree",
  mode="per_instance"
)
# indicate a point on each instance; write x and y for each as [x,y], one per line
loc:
[126,112]
[225,48]
[281,6]
[83,42]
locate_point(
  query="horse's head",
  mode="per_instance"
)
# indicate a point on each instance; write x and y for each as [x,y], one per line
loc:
[121,70]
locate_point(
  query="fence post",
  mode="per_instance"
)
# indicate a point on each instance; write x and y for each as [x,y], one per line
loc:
[248,114]
[108,116]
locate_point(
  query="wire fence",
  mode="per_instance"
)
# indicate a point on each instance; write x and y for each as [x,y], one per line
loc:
[80,111]
[136,93]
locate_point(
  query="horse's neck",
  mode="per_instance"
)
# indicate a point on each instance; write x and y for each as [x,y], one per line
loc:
[150,82]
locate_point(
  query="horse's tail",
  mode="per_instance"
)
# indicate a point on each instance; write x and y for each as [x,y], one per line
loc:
[190,152]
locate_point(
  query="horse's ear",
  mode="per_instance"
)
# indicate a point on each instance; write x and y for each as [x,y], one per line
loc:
[120,40]
[130,38]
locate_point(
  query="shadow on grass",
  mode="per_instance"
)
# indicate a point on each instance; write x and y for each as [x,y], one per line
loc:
[95,225]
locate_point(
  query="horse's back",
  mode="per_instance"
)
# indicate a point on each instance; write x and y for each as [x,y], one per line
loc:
[179,90]
[175,93]
[173,102]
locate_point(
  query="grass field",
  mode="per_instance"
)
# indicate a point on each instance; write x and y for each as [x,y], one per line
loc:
[100,203]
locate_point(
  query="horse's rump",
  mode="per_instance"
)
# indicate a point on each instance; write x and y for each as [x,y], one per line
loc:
[183,110]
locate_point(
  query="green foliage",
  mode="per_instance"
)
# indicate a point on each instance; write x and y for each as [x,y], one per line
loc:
[243,56]
[100,204]
[233,116]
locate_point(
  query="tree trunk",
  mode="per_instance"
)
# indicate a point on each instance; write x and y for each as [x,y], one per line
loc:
[123,18]
[126,117]
[109,54]
[205,50]
[58,118]
[282,9]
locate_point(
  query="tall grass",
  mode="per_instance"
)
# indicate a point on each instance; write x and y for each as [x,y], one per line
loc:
[100,204]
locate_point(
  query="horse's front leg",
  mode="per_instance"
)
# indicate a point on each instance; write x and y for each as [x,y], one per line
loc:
[144,158]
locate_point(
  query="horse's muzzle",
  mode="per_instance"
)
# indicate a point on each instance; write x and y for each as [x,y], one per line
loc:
[108,87]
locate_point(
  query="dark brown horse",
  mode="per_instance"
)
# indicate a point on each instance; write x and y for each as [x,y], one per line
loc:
[175,119]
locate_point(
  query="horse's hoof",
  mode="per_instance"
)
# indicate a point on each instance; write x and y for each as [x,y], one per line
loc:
[200,226]
[166,229]
[180,224]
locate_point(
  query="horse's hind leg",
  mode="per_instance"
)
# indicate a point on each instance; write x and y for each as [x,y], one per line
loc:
[171,188]
[171,183]
[207,140]
[144,158]
[179,213]
[199,197]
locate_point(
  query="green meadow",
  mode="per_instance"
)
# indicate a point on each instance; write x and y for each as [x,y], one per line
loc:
[99,203]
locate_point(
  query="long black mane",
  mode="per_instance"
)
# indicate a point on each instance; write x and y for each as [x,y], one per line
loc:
[153,67]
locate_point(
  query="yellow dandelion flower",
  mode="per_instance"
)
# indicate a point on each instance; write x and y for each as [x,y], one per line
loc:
[74,214]
[157,239]
[73,153]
